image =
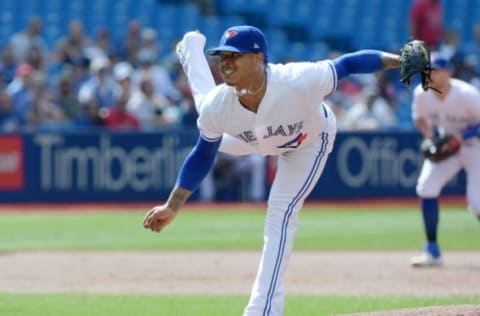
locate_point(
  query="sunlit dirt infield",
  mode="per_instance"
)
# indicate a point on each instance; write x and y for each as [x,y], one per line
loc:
[322,273]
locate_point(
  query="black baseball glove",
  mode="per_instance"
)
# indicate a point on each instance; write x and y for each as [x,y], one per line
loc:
[415,58]
[440,148]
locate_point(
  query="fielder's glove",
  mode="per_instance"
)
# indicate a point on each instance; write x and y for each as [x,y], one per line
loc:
[415,58]
[441,148]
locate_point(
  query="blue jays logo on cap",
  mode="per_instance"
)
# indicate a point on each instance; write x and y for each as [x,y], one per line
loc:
[231,33]
[242,39]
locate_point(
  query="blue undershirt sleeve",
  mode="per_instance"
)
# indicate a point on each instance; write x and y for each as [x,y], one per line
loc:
[362,61]
[471,132]
[197,164]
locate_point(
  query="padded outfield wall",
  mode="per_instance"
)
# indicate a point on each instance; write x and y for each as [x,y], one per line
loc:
[96,167]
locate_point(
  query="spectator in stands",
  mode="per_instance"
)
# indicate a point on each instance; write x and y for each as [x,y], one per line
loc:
[44,114]
[170,62]
[451,48]
[8,121]
[187,106]
[450,44]
[80,72]
[117,118]
[72,46]
[7,65]
[148,66]
[153,110]
[36,59]
[21,94]
[386,81]
[337,104]
[426,22]
[122,73]
[101,46]
[370,112]
[101,85]
[65,95]
[148,41]
[22,41]
[90,117]
[131,44]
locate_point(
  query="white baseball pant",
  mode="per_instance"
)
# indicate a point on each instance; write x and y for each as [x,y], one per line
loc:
[434,176]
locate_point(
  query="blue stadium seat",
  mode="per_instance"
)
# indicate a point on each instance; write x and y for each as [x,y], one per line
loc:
[230,7]
[232,20]
[53,35]
[54,4]
[76,10]
[7,18]
[286,13]
[7,5]
[191,18]
[318,51]
[278,44]
[213,27]
[306,21]
[118,19]
[458,16]
[323,21]
[6,30]
[166,16]
[299,51]
[234,7]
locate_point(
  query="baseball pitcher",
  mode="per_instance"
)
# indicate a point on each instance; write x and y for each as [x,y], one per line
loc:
[273,109]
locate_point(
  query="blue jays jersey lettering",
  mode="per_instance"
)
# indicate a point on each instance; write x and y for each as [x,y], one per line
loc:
[284,130]
[291,109]
[247,136]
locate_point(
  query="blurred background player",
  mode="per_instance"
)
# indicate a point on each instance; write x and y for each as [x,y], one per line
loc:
[452,110]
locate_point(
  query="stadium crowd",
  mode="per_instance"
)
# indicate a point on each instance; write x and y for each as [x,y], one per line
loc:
[123,84]
[87,83]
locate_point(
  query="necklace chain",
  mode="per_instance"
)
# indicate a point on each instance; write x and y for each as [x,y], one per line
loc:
[261,87]
[243,92]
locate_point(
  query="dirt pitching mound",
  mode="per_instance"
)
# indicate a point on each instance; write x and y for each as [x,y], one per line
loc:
[222,272]
[455,310]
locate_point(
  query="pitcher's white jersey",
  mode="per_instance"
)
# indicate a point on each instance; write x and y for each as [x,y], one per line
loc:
[457,111]
[291,115]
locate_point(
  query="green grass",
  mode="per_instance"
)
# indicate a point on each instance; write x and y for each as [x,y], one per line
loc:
[328,229]
[199,305]
[396,229]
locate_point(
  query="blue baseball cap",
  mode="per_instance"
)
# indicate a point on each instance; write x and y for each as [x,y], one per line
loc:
[242,39]
[440,61]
